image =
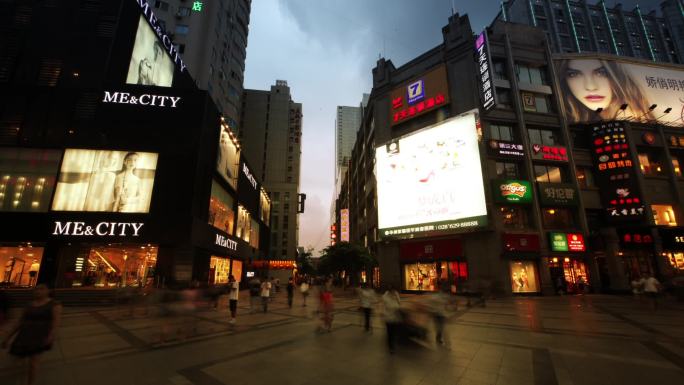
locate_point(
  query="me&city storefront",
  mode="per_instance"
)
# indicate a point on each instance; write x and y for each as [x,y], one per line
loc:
[424,264]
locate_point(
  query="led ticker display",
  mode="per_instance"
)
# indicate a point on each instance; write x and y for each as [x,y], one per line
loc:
[423,167]
[419,96]
[615,173]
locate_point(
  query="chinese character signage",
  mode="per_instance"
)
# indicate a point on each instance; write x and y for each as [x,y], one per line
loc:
[419,96]
[557,194]
[558,242]
[512,191]
[502,148]
[615,172]
[673,239]
[576,242]
[634,239]
[344,225]
[485,72]
[549,153]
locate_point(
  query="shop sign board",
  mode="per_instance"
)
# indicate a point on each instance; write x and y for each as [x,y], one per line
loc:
[223,241]
[558,241]
[557,194]
[423,166]
[100,229]
[576,242]
[673,239]
[549,153]
[520,242]
[529,102]
[120,97]
[485,71]
[419,96]
[512,191]
[344,225]
[615,172]
[502,148]
[635,238]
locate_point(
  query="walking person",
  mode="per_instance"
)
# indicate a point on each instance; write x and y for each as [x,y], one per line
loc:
[326,310]
[392,306]
[233,292]
[273,289]
[265,294]
[438,305]
[254,294]
[36,330]
[304,288]
[290,292]
[651,288]
[367,299]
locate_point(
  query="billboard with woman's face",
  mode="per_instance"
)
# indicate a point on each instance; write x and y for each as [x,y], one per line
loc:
[228,158]
[150,65]
[595,89]
[104,180]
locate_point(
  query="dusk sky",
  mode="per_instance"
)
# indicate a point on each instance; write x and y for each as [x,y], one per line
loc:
[326,49]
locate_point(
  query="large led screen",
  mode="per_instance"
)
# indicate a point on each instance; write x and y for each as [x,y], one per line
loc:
[430,182]
[104,180]
[620,90]
[149,64]
[228,158]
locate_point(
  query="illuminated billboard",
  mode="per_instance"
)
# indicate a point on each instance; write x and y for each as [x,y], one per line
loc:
[620,90]
[104,180]
[430,182]
[419,96]
[344,225]
[149,64]
[228,158]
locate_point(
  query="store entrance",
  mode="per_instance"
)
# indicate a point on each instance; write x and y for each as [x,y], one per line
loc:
[569,275]
[427,276]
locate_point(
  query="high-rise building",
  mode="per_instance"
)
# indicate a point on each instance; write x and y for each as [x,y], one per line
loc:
[270,131]
[575,26]
[212,37]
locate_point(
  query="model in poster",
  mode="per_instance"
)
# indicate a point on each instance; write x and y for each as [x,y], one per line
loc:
[226,161]
[99,197]
[593,84]
[148,68]
[127,186]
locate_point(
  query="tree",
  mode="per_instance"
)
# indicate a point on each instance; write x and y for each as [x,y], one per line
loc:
[303,261]
[348,257]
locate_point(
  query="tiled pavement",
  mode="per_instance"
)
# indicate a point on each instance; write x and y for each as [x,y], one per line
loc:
[551,340]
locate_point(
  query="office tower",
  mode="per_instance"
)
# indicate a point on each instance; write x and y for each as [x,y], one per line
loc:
[270,132]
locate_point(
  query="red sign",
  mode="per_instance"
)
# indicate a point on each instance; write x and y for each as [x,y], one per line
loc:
[576,242]
[419,108]
[637,238]
[520,242]
[437,249]
[554,153]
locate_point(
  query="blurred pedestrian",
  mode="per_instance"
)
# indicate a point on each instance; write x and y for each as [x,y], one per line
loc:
[304,288]
[36,330]
[290,292]
[234,291]
[438,305]
[326,310]
[4,307]
[265,294]
[651,289]
[367,299]
[254,294]
[392,306]
[272,294]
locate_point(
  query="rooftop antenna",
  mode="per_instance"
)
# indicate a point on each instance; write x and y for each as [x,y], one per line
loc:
[453,8]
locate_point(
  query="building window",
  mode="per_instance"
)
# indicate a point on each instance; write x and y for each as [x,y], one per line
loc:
[163,5]
[542,103]
[27,178]
[513,217]
[503,97]
[507,170]
[183,11]
[531,75]
[181,29]
[650,164]
[244,224]
[558,218]
[543,137]
[501,132]
[663,215]
[676,166]
[221,212]
[499,69]
[585,177]
[547,174]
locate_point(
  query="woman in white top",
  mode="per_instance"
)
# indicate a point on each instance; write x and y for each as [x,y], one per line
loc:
[234,287]
[127,186]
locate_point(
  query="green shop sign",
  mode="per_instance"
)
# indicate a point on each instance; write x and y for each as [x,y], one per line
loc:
[512,191]
[559,241]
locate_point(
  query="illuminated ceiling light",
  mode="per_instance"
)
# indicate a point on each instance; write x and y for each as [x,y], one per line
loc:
[555,259]
[551,211]
[566,260]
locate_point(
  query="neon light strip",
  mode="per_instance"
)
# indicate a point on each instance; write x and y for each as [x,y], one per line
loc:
[534,17]
[610,27]
[643,26]
[572,23]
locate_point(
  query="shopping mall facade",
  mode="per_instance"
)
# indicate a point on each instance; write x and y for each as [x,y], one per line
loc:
[115,170]
[491,163]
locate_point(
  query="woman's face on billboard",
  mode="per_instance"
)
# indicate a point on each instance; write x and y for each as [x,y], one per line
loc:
[589,82]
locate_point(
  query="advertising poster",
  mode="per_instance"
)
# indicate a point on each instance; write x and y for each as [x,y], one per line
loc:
[236,269]
[228,158]
[524,277]
[589,84]
[149,64]
[265,206]
[439,174]
[104,180]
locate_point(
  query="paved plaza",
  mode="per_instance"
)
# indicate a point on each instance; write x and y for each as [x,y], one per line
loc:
[535,340]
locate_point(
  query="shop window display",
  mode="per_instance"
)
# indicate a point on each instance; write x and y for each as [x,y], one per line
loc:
[221,212]
[244,222]
[236,269]
[110,266]
[572,271]
[427,276]
[27,178]
[676,260]
[524,277]
[254,234]
[20,264]
[219,270]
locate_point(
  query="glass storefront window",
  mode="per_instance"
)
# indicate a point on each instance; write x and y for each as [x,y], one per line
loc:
[109,265]
[676,260]
[265,206]
[421,276]
[558,218]
[524,277]
[571,270]
[254,234]
[21,265]
[663,215]
[244,224]
[219,269]
[27,178]
[513,217]
[221,212]
[236,269]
